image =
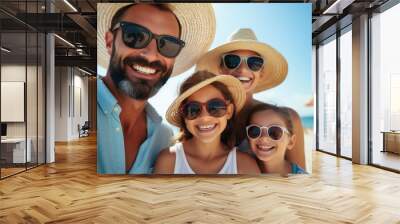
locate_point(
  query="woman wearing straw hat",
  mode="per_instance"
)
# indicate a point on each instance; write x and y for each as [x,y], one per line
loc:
[259,67]
[142,45]
[204,112]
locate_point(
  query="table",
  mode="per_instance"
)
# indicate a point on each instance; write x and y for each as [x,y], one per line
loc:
[15,148]
[391,141]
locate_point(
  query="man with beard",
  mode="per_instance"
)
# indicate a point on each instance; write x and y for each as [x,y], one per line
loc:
[148,43]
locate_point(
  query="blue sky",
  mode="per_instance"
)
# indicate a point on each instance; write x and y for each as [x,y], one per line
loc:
[286,27]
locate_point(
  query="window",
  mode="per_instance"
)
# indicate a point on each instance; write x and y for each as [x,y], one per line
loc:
[385,89]
[346,94]
[327,96]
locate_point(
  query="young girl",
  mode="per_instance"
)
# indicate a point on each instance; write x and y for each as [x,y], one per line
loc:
[204,112]
[270,134]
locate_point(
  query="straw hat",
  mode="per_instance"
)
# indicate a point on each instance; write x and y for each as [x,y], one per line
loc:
[275,65]
[235,87]
[198,30]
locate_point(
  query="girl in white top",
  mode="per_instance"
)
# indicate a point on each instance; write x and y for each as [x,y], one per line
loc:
[204,112]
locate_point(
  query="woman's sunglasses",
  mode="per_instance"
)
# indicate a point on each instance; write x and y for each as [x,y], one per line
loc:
[233,61]
[275,132]
[215,107]
[138,37]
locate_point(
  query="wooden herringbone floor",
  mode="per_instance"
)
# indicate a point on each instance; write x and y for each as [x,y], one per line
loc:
[69,191]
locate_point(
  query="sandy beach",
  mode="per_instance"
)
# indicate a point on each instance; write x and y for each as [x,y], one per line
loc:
[309,145]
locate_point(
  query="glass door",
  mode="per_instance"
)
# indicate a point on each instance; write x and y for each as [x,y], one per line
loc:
[13,103]
[22,76]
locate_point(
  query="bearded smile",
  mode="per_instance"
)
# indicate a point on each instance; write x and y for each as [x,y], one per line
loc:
[143,69]
[142,72]
[137,77]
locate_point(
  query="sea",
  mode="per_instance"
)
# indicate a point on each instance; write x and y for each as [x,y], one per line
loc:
[308,122]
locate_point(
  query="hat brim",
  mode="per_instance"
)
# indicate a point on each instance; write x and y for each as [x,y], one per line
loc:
[235,87]
[198,30]
[275,67]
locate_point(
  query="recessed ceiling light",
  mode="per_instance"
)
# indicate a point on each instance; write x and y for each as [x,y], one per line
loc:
[70,5]
[5,50]
[338,6]
[64,40]
[84,71]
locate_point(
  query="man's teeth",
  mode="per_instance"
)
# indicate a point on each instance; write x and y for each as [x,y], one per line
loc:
[145,70]
[244,79]
[206,127]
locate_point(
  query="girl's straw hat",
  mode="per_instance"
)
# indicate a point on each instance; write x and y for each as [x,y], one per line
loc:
[198,30]
[235,87]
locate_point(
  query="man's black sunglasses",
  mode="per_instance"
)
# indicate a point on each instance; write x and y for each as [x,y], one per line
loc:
[138,37]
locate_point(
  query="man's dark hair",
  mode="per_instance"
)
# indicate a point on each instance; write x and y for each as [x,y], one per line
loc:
[121,12]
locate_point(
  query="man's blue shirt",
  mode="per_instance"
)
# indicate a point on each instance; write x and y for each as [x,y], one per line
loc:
[110,137]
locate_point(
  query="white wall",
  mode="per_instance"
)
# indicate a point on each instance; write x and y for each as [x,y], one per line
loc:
[16,73]
[80,89]
[62,81]
[71,93]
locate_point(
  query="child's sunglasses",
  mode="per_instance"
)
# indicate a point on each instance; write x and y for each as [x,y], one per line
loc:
[215,107]
[233,61]
[138,37]
[275,132]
